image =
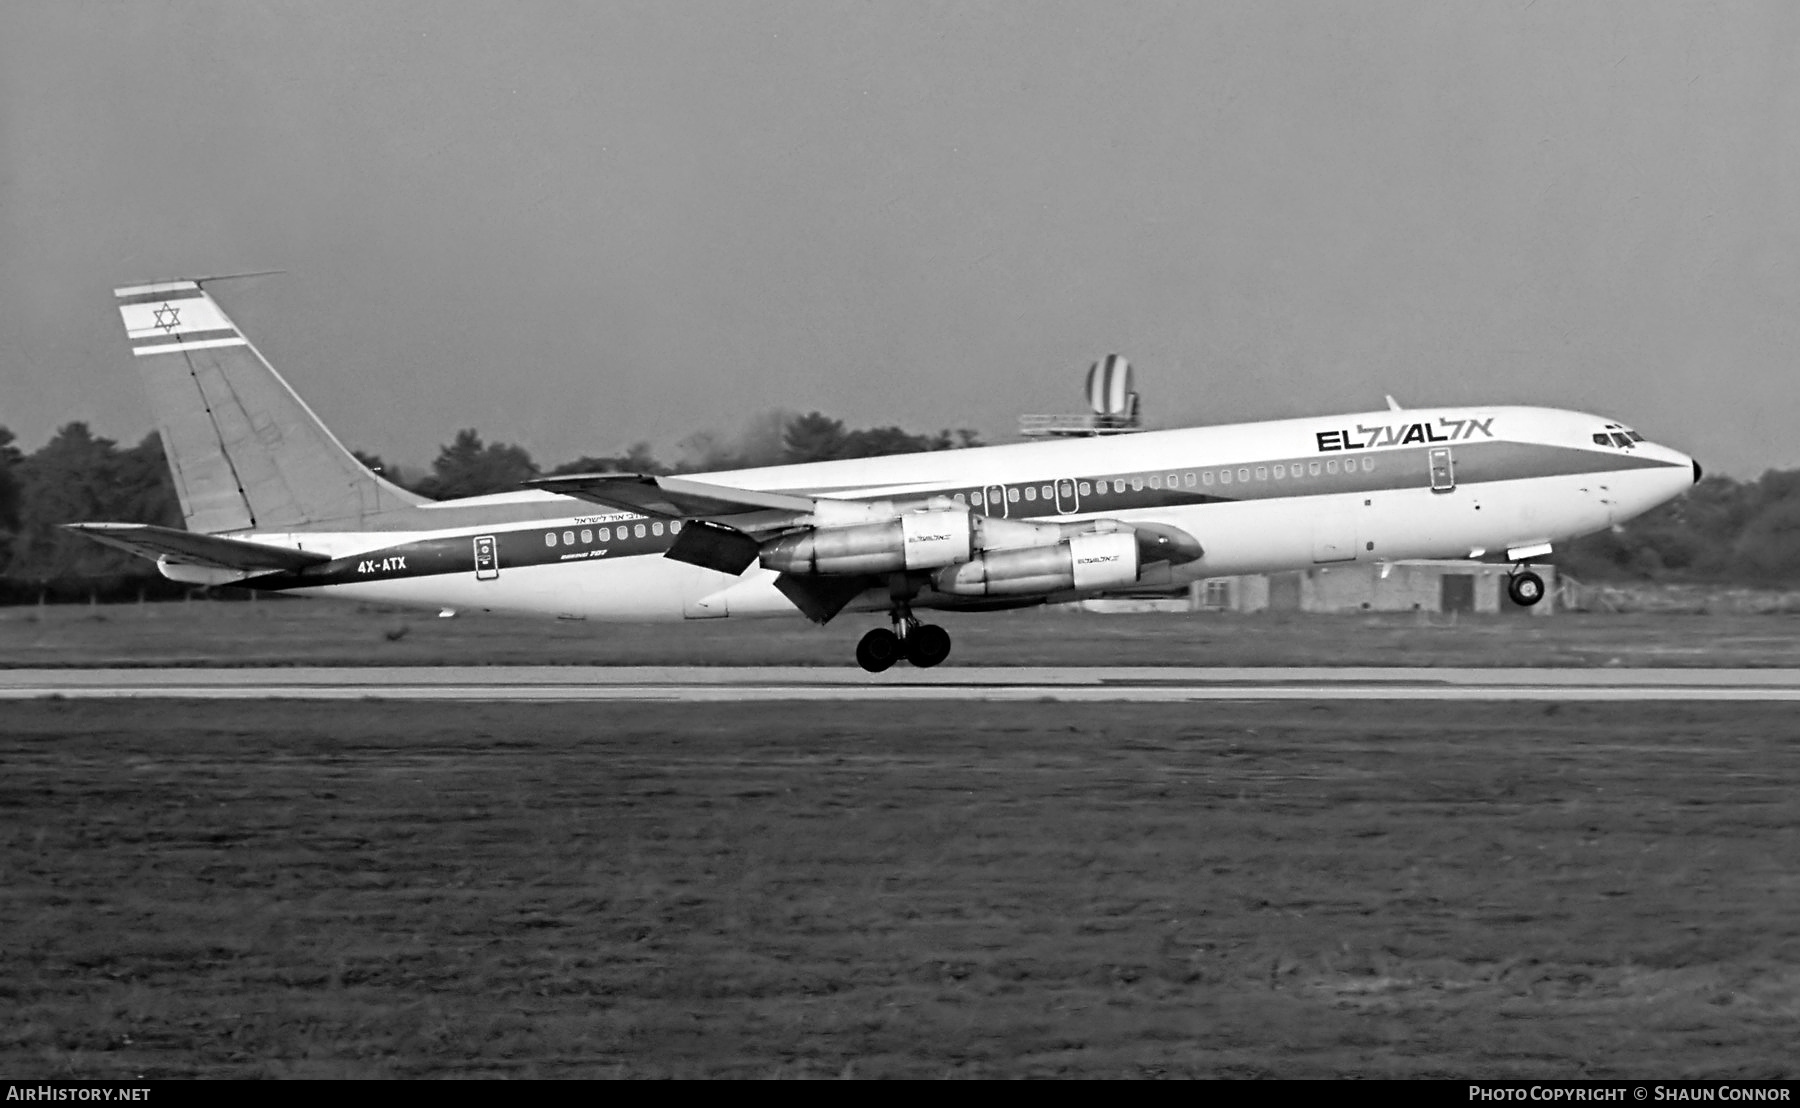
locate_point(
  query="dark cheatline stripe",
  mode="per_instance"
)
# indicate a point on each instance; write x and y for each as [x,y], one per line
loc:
[514,549]
[176,338]
[519,530]
[1476,463]
[158,297]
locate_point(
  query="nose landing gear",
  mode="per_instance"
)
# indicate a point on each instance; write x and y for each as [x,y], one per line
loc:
[1525,587]
[922,644]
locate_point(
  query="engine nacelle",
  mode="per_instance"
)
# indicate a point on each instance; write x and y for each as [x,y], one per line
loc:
[1095,561]
[915,540]
[992,533]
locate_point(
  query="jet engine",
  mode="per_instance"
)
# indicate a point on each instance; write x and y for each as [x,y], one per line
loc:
[1091,561]
[914,540]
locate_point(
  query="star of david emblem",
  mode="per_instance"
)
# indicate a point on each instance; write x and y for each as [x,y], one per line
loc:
[168,318]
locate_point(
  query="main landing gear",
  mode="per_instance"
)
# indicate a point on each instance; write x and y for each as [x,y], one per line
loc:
[922,644]
[1525,587]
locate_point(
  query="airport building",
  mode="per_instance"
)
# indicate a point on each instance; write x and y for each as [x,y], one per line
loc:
[1421,586]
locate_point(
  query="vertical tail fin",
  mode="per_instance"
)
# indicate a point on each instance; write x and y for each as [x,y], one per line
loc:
[246,452]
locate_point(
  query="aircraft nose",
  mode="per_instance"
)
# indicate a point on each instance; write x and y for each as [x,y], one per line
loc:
[1697,472]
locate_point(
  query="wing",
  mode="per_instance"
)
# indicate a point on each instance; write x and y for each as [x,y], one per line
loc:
[189,548]
[673,497]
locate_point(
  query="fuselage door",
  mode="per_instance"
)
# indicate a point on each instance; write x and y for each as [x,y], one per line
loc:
[1068,497]
[487,558]
[995,495]
[1443,469]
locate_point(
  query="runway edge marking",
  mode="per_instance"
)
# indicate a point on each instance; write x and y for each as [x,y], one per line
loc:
[860,693]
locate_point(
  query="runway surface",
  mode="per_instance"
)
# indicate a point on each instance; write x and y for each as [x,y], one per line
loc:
[989,683]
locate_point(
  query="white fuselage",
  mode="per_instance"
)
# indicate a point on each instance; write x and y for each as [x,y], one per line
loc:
[1260,497]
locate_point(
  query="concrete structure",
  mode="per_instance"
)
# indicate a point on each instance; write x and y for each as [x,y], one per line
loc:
[1113,406]
[1451,586]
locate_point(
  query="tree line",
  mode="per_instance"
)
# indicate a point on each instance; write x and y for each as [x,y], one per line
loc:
[78,476]
[1723,531]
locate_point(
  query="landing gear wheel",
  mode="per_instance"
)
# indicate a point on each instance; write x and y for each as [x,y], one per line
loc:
[1525,589]
[878,650]
[928,645]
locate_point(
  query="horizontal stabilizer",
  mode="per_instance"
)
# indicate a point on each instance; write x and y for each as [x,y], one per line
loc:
[190,548]
[714,546]
[670,497]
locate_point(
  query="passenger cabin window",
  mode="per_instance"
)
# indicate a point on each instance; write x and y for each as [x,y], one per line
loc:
[1118,484]
[1280,472]
[1207,477]
[1031,492]
[638,530]
[1224,477]
[1137,484]
[1155,481]
[606,534]
[568,538]
[587,536]
[1312,468]
[550,538]
[1012,496]
[1083,487]
[1243,473]
[1368,465]
[656,528]
[1188,480]
[1331,466]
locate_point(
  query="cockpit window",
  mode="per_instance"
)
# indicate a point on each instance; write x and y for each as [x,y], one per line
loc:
[1634,436]
[1600,439]
[1620,440]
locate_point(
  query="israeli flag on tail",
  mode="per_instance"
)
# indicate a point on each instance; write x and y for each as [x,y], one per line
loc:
[174,317]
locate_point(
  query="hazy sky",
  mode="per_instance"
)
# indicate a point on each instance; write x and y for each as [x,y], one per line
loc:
[577,225]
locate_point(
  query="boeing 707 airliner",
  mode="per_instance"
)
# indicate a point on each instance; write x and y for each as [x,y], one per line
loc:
[273,501]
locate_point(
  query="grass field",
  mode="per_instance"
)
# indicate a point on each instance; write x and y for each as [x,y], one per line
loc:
[296,889]
[298,632]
